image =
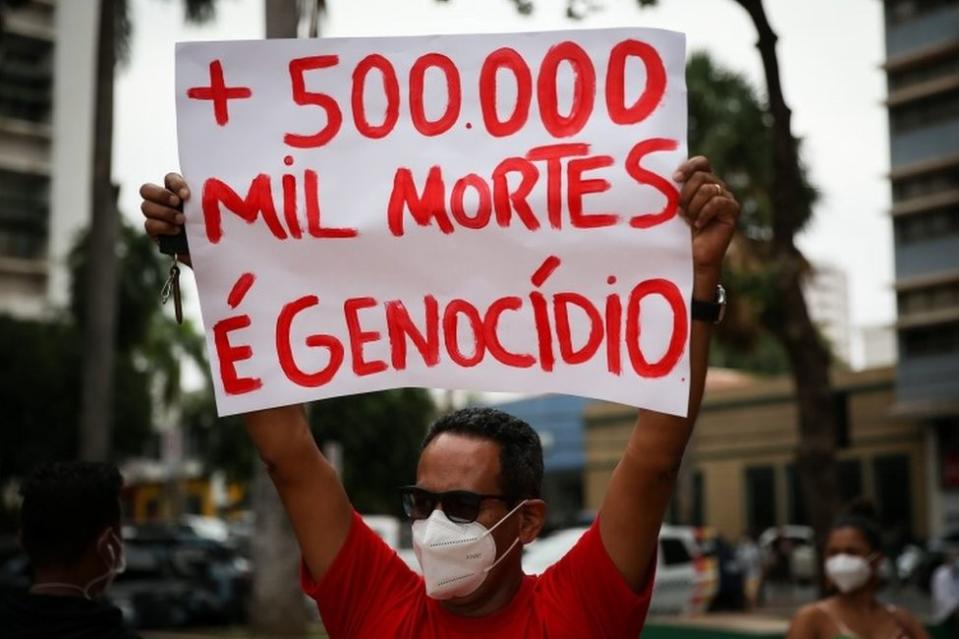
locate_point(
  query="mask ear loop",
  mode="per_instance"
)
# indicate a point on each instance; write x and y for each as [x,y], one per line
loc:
[121,566]
[116,567]
[503,556]
[515,541]
[507,516]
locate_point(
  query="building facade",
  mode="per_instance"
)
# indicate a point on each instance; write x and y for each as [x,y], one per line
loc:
[826,290]
[47,55]
[922,70]
[740,462]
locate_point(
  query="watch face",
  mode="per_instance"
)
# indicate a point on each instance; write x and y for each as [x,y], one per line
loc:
[721,302]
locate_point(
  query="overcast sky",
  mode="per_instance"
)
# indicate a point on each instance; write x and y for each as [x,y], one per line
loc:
[830,54]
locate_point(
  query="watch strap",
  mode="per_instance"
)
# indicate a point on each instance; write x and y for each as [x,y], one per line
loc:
[710,311]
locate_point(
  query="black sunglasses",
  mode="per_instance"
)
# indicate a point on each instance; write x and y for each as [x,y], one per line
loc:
[460,506]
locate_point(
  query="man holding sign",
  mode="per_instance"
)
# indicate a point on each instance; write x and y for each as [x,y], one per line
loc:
[477,495]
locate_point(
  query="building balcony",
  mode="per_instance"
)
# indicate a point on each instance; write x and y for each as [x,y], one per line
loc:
[930,165]
[34,20]
[927,280]
[25,146]
[925,203]
[928,318]
[923,90]
[919,58]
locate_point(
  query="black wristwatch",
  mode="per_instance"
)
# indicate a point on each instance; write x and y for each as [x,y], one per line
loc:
[710,311]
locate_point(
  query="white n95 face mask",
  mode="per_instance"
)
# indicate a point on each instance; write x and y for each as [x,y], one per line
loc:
[455,558]
[848,572]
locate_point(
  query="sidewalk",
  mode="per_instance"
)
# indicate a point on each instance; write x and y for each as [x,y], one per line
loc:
[717,626]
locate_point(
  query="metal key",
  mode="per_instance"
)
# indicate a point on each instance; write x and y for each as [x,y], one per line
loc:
[172,286]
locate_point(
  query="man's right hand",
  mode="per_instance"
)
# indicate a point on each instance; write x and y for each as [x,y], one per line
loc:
[162,207]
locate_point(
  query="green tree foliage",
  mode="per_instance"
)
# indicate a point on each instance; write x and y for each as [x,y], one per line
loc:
[380,435]
[729,124]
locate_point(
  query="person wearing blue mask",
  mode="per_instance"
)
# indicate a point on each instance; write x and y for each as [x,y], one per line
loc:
[477,498]
[70,531]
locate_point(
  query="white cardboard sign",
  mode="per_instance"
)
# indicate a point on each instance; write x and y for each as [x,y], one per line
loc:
[485,212]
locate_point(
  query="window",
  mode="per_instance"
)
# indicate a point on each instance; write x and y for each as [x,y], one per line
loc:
[930,340]
[893,491]
[922,113]
[899,11]
[840,402]
[947,432]
[932,298]
[850,479]
[926,226]
[926,184]
[760,497]
[698,500]
[797,505]
[24,203]
[26,78]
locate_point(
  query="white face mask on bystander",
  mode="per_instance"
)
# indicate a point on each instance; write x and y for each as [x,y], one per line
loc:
[456,558]
[848,572]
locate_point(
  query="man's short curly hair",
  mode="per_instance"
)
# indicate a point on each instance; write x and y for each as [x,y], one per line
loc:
[66,505]
[520,456]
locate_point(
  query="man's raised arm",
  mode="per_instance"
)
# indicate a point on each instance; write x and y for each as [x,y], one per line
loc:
[643,481]
[312,494]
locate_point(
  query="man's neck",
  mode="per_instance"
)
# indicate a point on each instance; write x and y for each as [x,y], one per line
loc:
[58,581]
[496,602]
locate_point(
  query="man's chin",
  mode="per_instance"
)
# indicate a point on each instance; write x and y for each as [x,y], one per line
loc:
[462,601]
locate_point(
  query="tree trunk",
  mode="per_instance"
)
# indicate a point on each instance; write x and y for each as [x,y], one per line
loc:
[278,608]
[808,357]
[99,321]
[282,18]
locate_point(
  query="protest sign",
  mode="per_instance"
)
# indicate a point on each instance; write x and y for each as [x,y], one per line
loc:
[486,212]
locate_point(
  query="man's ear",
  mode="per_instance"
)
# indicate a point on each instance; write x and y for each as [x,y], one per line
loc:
[533,518]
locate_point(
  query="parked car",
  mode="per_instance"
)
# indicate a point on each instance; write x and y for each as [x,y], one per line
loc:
[175,577]
[687,579]
[684,584]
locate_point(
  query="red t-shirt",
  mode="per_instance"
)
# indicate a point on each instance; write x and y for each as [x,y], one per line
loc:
[369,593]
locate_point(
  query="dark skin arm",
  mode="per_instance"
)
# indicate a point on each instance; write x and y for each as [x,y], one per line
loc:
[643,481]
[312,494]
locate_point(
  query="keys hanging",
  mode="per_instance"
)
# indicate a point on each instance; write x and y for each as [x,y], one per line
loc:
[172,287]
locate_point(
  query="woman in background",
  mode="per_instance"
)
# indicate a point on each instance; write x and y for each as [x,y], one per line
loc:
[853,556]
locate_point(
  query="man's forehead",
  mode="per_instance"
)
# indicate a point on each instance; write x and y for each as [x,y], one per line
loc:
[459,462]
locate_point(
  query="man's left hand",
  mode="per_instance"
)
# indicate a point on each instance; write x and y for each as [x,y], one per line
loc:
[711,211]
